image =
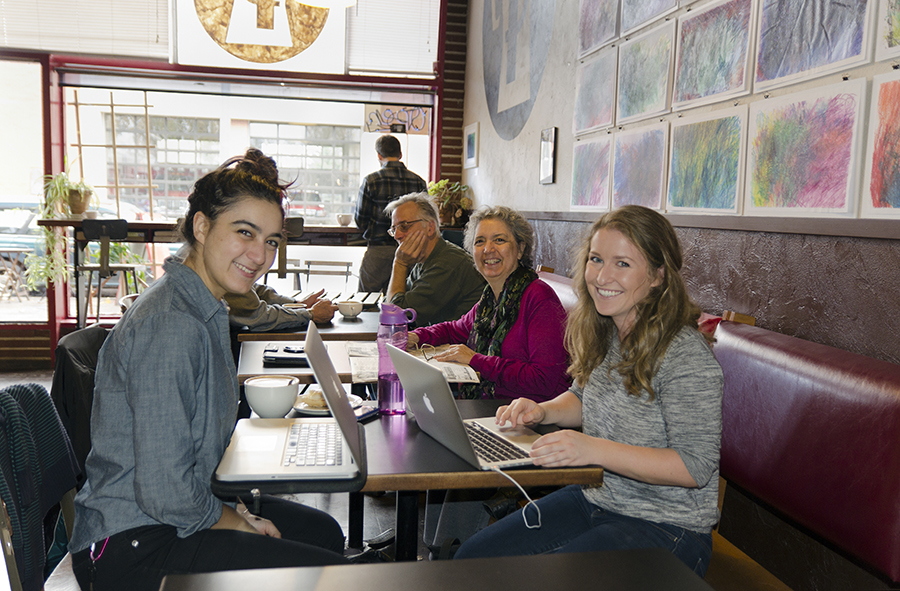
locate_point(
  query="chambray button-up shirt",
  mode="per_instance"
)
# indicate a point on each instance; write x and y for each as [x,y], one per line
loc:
[165,404]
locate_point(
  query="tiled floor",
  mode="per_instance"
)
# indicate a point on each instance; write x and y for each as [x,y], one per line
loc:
[379,510]
[44,378]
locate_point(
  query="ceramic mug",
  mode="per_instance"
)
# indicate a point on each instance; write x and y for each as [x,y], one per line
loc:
[271,396]
[350,308]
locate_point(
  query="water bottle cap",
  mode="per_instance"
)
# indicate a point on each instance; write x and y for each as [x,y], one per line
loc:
[392,314]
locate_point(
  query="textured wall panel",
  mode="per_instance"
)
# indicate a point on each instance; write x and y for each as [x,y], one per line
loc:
[841,292]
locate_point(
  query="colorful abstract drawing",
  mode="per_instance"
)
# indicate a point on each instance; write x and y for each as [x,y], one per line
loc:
[811,38]
[713,56]
[595,92]
[888,35]
[706,160]
[645,74]
[639,167]
[597,24]
[590,174]
[881,190]
[636,13]
[803,151]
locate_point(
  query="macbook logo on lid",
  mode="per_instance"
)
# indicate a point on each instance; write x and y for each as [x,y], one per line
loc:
[428,403]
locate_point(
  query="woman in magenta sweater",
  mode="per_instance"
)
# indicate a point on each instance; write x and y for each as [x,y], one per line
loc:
[513,337]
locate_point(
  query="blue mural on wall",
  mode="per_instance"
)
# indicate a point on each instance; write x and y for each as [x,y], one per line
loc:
[516,39]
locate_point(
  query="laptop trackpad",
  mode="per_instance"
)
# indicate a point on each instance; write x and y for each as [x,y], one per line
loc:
[521,436]
[257,443]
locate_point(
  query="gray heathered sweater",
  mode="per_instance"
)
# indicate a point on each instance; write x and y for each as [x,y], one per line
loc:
[685,415]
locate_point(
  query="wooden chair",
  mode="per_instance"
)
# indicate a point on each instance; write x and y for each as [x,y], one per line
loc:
[331,268]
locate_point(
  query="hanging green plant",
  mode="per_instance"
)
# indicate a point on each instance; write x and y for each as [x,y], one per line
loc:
[62,197]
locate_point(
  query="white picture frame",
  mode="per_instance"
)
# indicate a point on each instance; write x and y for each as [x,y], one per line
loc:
[803,152]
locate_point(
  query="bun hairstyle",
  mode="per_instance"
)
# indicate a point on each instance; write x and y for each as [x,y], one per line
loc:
[252,175]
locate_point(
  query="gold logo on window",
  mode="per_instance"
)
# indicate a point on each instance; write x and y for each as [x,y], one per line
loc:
[262,31]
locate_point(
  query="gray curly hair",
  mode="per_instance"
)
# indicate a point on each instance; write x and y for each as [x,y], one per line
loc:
[521,230]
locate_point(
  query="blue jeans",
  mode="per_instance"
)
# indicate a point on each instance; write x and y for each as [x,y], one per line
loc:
[569,523]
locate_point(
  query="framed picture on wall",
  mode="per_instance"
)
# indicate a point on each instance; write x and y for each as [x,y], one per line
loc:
[597,24]
[803,152]
[595,92]
[639,166]
[787,51]
[637,13]
[887,45]
[881,189]
[713,57]
[548,156]
[645,74]
[470,146]
[590,174]
[706,162]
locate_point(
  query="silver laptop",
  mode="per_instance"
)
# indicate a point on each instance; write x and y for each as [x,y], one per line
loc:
[478,441]
[264,449]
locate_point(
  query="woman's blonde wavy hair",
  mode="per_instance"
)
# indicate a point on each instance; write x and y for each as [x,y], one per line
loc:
[660,315]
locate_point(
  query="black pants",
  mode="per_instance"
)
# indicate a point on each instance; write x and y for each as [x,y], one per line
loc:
[139,558]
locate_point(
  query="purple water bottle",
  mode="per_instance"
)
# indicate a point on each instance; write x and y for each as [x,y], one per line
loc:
[393,330]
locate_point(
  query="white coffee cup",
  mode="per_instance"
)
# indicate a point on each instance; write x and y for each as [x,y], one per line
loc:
[350,308]
[344,219]
[271,396]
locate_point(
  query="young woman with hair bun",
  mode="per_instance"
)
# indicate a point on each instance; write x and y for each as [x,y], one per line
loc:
[165,403]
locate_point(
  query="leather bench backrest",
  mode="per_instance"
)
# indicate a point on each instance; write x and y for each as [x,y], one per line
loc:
[563,288]
[814,431]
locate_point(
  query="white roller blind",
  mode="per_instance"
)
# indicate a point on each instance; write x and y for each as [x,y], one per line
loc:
[136,28]
[393,36]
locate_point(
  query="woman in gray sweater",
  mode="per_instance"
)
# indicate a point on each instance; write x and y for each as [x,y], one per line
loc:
[647,394]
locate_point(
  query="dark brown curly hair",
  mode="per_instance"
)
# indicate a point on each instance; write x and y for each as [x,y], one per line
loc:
[252,175]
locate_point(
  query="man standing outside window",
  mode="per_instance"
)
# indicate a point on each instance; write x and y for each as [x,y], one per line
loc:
[377,190]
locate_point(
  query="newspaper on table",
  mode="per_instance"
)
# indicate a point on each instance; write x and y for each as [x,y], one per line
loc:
[364,363]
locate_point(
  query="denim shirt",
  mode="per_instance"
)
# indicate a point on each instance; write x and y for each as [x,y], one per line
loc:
[165,403]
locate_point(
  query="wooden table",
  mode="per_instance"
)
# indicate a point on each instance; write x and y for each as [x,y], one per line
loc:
[362,328]
[139,231]
[330,236]
[402,458]
[149,231]
[9,263]
[620,570]
[250,362]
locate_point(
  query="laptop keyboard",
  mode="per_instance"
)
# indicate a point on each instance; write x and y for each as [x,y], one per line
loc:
[314,444]
[491,448]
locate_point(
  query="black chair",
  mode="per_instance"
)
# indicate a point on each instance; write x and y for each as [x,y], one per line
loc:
[39,471]
[105,231]
[72,390]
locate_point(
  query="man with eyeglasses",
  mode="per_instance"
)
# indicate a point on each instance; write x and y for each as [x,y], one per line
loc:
[432,276]
[377,190]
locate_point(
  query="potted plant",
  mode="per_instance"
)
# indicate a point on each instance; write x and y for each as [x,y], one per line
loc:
[62,194]
[62,197]
[453,205]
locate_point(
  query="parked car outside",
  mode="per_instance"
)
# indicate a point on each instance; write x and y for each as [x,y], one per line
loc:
[19,216]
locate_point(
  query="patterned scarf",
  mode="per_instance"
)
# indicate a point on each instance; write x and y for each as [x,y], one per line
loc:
[493,320]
